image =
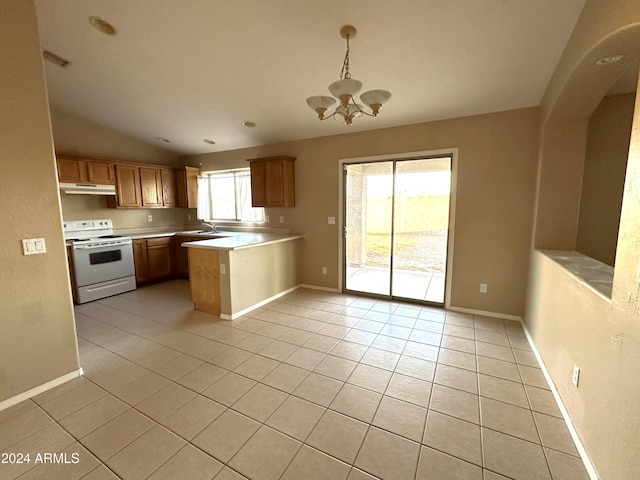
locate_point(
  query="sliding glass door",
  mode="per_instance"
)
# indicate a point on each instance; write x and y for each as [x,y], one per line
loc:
[396,224]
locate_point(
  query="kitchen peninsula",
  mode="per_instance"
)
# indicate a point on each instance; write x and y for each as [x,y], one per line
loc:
[234,274]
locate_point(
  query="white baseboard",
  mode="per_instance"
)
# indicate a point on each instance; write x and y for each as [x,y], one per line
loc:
[486,314]
[324,289]
[233,316]
[565,414]
[10,402]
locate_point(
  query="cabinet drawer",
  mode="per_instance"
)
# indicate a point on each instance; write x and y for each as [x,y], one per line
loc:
[159,242]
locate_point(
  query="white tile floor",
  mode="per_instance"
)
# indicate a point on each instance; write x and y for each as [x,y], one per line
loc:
[313,386]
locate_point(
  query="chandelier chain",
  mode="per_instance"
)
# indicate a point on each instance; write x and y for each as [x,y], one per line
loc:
[344,73]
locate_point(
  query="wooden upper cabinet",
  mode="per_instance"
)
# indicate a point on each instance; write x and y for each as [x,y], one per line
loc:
[168,188]
[273,181]
[71,170]
[78,170]
[128,193]
[137,186]
[187,187]
[151,184]
[258,184]
[101,173]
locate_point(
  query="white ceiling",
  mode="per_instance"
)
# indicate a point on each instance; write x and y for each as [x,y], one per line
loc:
[194,69]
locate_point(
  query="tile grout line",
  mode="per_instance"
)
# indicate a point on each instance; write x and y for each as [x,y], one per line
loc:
[370,345]
[584,456]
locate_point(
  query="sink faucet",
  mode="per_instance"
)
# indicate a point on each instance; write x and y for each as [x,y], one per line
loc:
[212,227]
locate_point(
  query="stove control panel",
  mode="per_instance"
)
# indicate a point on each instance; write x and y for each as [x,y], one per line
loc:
[87,225]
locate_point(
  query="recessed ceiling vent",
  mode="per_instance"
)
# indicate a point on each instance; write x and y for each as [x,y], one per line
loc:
[56,59]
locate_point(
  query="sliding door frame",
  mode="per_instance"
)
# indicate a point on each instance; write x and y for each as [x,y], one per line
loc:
[448,152]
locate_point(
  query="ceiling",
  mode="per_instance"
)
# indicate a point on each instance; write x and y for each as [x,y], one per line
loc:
[195,69]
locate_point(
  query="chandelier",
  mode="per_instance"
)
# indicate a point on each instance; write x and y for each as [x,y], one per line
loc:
[345,89]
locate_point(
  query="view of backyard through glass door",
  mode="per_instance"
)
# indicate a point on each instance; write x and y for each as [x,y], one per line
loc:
[396,224]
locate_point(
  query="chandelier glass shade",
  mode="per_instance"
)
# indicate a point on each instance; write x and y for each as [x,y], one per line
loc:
[345,90]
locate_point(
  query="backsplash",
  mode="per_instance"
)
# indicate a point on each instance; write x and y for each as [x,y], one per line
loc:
[85,207]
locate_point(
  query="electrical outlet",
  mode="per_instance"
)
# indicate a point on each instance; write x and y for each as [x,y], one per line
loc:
[576,375]
[189,217]
[267,219]
[223,269]
[150,218]
[281,218]
[324,270]
[483,288]
[332,220]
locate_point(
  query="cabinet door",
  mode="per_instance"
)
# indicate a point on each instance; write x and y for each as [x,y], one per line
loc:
[180,255]
[273,183]
[159,257]
[168,188]
[192,186]
[71,170]
[140,261]
[128,186]
[151,182]
[187,187]
[287,170]
[102,173]
[258,183]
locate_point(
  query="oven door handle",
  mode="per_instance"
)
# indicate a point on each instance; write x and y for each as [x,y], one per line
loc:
[104,245]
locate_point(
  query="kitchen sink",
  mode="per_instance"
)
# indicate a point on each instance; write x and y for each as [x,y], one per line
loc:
[204,233]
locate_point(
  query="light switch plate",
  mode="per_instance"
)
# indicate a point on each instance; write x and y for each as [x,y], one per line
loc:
[33,246]
[332,220]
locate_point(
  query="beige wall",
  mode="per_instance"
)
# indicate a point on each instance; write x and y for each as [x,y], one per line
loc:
[496,184]
[37,343]
[82,138]
[84,207]
[256,274]
[79,137]
[568,322]
[603,183]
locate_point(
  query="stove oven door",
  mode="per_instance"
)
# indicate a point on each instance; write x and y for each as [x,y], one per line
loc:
[96,263]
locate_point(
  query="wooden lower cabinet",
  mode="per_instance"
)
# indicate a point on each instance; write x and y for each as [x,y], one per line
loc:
[152,258]
[204,281]
[140,261]
[159,257]
[181,256]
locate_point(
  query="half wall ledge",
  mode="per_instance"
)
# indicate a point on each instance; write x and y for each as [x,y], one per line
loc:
[593,273]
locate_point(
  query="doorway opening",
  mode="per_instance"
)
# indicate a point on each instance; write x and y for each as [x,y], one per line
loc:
[396,228]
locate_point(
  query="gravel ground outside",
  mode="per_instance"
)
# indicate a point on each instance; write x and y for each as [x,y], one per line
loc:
[419,251]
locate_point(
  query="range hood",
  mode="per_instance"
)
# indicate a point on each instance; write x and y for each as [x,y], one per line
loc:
[87,189]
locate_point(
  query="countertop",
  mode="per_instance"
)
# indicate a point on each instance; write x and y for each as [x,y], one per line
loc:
[190,233]
[240,240]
